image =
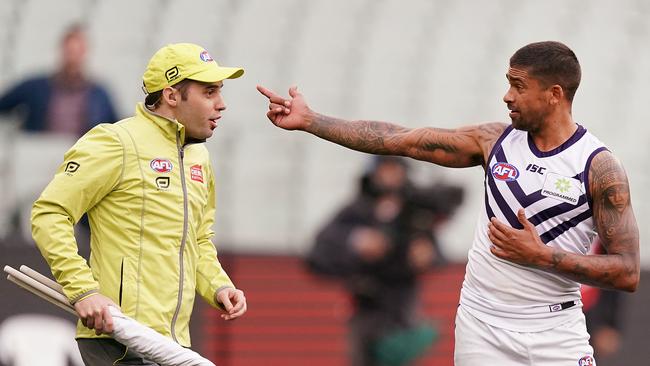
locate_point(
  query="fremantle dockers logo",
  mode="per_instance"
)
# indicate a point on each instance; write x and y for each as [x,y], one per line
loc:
[172,74]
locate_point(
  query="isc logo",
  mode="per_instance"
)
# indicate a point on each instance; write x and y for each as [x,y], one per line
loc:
[504,171]
[161,165]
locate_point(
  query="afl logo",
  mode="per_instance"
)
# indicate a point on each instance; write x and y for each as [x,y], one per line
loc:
[161,165]
[586,361]
[504,171]
[205,56]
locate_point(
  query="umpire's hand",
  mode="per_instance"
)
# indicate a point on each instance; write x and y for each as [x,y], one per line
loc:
[94,314]
[233,301]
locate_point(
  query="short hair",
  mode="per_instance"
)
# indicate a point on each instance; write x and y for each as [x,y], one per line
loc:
[152,100]
[73,30]
[551,63]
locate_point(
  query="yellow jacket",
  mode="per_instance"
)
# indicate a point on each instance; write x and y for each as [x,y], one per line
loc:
[150,199]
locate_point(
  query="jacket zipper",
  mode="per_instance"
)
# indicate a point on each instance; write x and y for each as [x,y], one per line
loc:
[181,155]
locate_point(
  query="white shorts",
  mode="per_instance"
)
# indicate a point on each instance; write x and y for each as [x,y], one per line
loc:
[478,343]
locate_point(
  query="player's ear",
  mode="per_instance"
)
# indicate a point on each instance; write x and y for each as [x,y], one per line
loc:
[557,94]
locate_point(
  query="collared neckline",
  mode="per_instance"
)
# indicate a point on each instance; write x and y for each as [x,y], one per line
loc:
[170,127]
[575,137]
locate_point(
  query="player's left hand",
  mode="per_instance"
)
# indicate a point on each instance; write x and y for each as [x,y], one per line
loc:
[523,246]
[234,302]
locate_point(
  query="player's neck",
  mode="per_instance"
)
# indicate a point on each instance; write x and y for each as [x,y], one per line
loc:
[556,130]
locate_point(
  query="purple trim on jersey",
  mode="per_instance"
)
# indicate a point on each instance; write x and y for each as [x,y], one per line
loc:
[560,229]
[586,173]
[577,135]
[523,199]
[488,175]
[557,210]
[503,205]
[488,209]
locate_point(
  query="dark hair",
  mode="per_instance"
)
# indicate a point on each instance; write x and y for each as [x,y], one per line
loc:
[73,30]
[551,63]
[152,100]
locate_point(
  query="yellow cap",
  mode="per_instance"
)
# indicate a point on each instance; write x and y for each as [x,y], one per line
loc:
[176,62]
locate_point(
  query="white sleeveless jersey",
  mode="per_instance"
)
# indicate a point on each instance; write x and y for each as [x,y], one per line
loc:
[552,187]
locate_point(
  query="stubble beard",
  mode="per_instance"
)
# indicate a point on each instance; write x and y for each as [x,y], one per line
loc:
[528,125]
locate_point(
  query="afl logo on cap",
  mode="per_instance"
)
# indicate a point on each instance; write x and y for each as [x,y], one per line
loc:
[504,171]
[205,56]
[161,165]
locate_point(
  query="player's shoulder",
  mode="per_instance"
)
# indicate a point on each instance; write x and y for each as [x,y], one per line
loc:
[486,133]
[492,129]
[606,169]
[489,134]
[604,158]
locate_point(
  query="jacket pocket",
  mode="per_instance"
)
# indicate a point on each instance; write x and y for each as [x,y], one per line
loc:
[129,291]
[121,282]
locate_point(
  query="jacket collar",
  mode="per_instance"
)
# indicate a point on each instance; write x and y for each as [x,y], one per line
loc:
[170,127]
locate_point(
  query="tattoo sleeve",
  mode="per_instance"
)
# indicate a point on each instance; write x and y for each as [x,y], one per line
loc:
[461,147]
[617,231]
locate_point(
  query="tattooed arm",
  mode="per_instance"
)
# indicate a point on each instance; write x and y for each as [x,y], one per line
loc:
[616,227]
[458,148]
[615,224]
[462,147]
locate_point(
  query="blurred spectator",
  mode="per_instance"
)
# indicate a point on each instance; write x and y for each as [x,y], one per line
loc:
[378,245]
[66,101]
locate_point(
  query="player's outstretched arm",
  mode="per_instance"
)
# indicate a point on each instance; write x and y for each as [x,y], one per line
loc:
[616,226]
[462,147]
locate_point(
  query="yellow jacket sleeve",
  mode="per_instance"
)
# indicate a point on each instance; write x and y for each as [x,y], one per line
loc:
[90,170]
[211,277]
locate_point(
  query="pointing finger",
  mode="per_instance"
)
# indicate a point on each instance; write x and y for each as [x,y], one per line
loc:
[274,98]
[266,92]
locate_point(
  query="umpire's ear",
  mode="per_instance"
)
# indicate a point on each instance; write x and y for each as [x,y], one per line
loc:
[170,96]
